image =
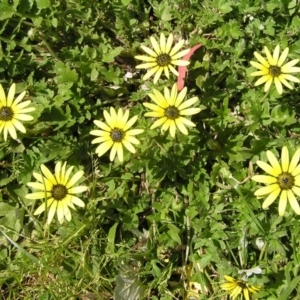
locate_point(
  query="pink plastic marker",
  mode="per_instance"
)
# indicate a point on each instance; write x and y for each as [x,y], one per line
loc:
[182,69]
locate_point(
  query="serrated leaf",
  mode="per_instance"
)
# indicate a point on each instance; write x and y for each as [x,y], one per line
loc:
[65,73]
[128,287]
[5,208]
[110,56]
[42,4]
[6,11]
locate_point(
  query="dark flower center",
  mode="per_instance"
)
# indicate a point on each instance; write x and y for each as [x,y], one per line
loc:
[242,284]
[172,112]
[285,181]
[275,71]
[6,114]
[163,60]
[117,135]
[59,192]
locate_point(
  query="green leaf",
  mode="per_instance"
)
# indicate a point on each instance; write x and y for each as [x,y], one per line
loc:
[64,73]
[5,208]
[110,248]
[110,56]
[42,4]
[6,11]
[291,286]
[128,287]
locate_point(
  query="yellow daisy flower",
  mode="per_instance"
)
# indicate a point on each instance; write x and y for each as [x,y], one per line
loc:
[170,109]
[284,180]
[163,58]
[236,287]
[115,133]
[12,112]
[273,70]
[59,190]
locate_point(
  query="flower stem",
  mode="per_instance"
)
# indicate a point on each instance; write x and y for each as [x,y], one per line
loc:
[265,96]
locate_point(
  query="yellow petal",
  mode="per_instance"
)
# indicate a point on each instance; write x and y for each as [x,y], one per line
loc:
[130,123]
[282,203]
[268,83]
[260,73]
[264,179]
[181,126]
[180,54]
[267,168]
[290,78]
[48,174]
[176,48]
[74,179]
[113,152]
[296,190]
[132,140]
[2,96]
[283,57]
[296,171]
[145,58]
[149,51]
[172,128]
[51,212]
[102,125]
[187,103]
[275,56]
[162,42]
[174,71]
[271,198]
[119,151]
[166,125]
[278,85]
[158,74]
[133,132]
[236,291]
[104,147]
[155,45]
[77,201]
[158,122]
[259,66]
[166,71]
[180,62]
[262,80]
[37,195]
[266,190]
[150,72]
[78,189]
[169,43]
[11,94]
[20,98]
[261,60]
[293,202]
[229,278]
[128,146]
[146,65]
[274,163]
[246,294]
[284,82]
[285,159]
[228,286]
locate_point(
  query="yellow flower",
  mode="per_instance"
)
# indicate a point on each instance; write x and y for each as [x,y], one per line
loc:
[163,58]
[115,133]
[272,69]
[236,287]
[58,191]
[284,180]
[12,112]
[170,109]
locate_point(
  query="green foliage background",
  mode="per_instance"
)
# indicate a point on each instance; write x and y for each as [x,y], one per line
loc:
[176,202]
